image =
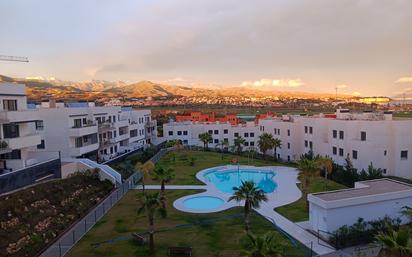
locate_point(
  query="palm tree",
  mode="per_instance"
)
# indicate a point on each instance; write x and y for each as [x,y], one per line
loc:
[239,142]
[252,195]
[407,211]
[205,138]
[261,246]
[222,144]
[277,143]
[265,143]
[396,243]
[152,205]
[146,169]
[164,175]
[326,163]
[309,169]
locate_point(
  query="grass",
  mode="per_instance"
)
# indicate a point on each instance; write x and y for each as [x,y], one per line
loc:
[297,211]
[186,174]
[220,238]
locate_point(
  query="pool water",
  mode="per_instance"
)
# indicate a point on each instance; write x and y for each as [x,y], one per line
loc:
[225,180]
[203,202]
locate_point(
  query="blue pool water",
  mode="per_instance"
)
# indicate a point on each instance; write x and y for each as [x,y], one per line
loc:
[203,202]
[226,180]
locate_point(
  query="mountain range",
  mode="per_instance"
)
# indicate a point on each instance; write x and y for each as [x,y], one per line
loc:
[70,90]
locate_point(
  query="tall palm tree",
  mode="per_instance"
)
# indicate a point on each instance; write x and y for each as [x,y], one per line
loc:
[396,243]
[262,246]
[309,169]
[164,175]
[146,168]
[252,195]
[265,143]
[326,163]
[205,138]
[239,142]
[152,205]
[277,143]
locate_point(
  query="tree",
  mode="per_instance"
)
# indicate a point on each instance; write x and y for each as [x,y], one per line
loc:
[396,243]
[146,169]
[252,195]
[326,163]
[277,143]
[265,143]
[205,138]
[309,169]
[152,205]
[407,211]
[239,142]
[261,246]
[223,144]
[164,175]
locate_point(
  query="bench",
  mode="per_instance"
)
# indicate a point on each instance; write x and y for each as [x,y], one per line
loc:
[181,250]
[139,239]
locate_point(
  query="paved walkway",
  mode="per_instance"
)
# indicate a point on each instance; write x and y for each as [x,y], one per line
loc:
[179,187]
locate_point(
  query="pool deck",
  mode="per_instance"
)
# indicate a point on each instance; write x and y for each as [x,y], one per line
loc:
[286,192]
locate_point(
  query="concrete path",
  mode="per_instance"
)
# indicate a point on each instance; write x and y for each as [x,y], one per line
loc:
[295,231]
[173,187]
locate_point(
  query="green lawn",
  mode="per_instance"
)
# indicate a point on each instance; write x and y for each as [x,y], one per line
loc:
[220,238]
[296,211]
[185,174]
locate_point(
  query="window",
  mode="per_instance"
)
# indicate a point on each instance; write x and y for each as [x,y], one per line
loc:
[11,131]
[246,143]
[335,133]
[133,133]
[225,131]
[385,153]
[185,132]
[226,140]
[216,141]
[41,145]
[288,145]
[210,132]
[310,130]
[246,134]
[216,132]
[275,131]
[340,151]
[334,150]
[236,134]
[77,123]
[341,134]
[10,105]
[78,142]
[252,143]
[252,134]
[310,144]
[306,143]
[14,155]
[179,133]
[288,132]
[185,142]
[288,158]
[306,129]
[404,155]
[262,128]
[170,133]
[39,125]
[363,136]
[85,139]
[354,154]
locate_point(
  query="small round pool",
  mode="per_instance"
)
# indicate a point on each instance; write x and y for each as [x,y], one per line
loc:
[203,202]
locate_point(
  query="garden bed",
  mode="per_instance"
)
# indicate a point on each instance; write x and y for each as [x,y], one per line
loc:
[33,217]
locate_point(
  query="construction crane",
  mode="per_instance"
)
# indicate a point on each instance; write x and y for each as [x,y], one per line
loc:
[13,58]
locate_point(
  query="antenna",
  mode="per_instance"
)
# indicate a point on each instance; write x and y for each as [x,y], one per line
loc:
[336,90]
[13,58]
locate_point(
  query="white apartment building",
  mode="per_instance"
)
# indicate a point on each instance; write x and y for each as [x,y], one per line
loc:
[366,137]
[82,130]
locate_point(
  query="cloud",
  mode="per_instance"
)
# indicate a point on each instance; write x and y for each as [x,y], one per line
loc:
[341,86]
[404,80]
[356,93]
[272,83]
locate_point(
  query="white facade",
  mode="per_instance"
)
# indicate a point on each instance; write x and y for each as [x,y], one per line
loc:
[18,135]
[367,138]
[370,200]
[98,133]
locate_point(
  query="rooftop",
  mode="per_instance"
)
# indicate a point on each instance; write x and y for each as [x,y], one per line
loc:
[366,188]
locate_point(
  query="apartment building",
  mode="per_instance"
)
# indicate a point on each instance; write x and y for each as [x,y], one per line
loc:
[366,137]
[82,130]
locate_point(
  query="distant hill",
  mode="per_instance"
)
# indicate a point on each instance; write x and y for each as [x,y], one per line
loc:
[69,90]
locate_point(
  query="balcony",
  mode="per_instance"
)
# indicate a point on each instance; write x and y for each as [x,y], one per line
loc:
[151,123]
[4,147]
[107,142]
[23,141]
[122,123]
[79,151]
[18,116]
[106,126]
[82,131]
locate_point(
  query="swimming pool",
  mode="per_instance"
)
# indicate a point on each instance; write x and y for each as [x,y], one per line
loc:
[226,179]
[203,203]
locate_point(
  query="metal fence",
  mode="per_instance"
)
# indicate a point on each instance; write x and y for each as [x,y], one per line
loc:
[72,235]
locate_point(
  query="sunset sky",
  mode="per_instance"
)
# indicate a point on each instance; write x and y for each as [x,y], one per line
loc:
[361,46]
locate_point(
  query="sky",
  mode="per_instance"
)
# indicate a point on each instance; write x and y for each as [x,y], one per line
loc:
[361,47]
